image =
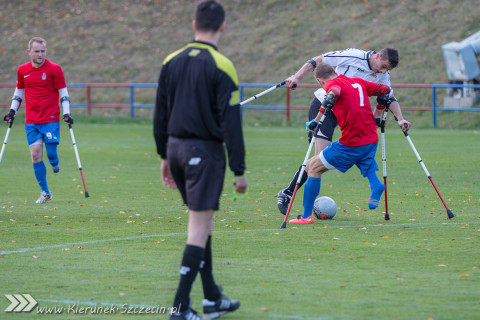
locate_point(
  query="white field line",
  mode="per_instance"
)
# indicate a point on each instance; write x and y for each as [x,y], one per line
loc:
[68,244]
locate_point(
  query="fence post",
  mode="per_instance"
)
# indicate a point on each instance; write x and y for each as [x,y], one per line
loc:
[89,101]
[132,101]
[288,104]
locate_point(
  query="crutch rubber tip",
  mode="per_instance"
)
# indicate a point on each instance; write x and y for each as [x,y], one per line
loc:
[450,214]
[86,194]
[387,216]
[284,224]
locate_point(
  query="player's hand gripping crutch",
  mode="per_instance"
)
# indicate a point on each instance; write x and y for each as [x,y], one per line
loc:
[304,164]
[449,212]
[6,139]
[78,160]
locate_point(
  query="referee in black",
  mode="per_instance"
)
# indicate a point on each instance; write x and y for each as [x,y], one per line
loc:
[198,111]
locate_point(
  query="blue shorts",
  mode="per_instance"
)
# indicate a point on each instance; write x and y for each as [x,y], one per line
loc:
[340,157]
[50,132]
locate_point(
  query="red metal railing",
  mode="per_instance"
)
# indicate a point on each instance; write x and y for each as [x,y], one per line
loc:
[287,107]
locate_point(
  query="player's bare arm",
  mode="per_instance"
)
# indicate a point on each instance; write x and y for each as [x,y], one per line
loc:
[309,66]
[397,112]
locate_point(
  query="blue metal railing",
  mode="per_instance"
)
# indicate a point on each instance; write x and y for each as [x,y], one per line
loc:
[444,86]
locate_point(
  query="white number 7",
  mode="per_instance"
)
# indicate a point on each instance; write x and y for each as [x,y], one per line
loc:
[360,92]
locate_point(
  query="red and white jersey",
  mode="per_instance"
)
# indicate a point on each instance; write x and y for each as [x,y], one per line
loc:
[41,91]
[353,110]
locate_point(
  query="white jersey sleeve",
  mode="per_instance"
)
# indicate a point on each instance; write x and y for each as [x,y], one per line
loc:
[354,63]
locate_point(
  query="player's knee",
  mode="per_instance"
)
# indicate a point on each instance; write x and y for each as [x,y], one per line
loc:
[315,167]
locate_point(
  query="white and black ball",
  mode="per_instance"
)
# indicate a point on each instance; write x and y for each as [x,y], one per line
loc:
[324,208]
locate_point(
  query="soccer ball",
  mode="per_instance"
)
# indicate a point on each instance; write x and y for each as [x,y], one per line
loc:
[324,208]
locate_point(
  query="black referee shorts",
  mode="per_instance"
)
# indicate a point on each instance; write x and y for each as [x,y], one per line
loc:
[198,168]
[328,125]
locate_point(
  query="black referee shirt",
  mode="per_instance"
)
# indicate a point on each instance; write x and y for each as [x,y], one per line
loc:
[198,97]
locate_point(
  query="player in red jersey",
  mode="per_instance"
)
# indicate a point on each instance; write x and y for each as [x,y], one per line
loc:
[42,83]
[348,98]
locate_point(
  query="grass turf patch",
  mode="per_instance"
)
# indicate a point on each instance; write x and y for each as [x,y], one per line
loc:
[123,245]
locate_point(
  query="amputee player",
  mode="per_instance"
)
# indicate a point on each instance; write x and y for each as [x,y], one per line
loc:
[354,63]
[348,100]
[42,83]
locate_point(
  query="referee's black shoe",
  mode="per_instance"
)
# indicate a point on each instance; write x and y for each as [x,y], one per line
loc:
[214,309]
[188,314]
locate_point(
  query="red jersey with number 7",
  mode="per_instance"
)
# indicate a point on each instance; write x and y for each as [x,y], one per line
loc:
[41,91]
[353,110]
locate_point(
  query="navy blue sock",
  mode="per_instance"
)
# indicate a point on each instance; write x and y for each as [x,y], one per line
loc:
[310,193]
[41,175]
[52,154]
[376,188]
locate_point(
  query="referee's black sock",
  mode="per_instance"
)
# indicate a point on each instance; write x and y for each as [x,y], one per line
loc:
[291,187]
[192,258]
[210,289]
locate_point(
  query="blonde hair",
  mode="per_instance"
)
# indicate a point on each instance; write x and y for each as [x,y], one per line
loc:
[36,39]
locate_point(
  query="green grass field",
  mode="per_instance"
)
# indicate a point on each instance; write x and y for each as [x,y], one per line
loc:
[123,244]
